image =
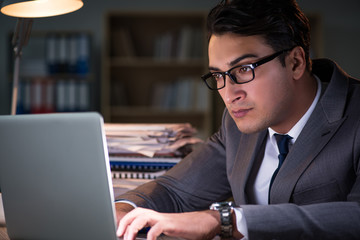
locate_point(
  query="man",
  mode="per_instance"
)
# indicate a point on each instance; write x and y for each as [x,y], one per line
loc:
[259,63]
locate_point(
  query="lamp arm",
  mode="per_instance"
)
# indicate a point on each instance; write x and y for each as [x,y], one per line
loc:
[20,39]
[21,34]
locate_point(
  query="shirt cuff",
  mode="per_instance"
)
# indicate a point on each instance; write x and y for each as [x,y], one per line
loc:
[126,201]
[241,223]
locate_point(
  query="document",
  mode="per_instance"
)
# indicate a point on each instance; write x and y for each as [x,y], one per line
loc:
[149,139]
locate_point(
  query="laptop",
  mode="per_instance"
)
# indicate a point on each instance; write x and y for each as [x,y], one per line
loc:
[55,177]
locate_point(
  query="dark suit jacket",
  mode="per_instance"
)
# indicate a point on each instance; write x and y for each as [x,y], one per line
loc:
[316,194]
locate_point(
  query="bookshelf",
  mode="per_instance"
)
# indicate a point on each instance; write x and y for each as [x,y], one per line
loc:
[141,62]
[55,72]
[152,63]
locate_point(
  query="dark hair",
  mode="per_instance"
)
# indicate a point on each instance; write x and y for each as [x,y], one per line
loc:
[281,22]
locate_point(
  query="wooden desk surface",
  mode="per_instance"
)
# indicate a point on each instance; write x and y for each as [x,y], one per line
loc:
[118,189]
[3,234]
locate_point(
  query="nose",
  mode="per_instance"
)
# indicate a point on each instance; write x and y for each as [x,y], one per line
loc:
[232,92]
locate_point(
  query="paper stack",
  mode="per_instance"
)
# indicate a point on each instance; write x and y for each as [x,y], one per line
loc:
[146,151]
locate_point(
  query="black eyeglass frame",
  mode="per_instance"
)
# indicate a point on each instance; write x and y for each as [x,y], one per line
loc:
[251,65]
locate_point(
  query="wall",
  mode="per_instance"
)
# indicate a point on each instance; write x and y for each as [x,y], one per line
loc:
[340,19]
[341,31]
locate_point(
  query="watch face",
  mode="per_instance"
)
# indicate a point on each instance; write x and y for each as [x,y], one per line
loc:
[218,205]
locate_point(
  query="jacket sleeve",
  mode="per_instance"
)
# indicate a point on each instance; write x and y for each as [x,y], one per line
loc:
[193,184]
[332,220]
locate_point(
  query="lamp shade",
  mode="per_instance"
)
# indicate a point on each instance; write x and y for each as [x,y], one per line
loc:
[39,8]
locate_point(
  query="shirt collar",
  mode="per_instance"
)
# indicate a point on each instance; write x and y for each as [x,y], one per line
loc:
[297,128]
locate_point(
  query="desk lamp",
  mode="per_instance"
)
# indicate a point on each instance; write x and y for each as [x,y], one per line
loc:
[25,11]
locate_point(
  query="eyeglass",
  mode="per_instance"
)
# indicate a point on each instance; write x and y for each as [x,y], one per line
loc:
[239,74]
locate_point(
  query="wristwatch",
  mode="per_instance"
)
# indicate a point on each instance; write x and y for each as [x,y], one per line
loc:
[224,209]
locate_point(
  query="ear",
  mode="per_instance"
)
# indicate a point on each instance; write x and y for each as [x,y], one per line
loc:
[297,62]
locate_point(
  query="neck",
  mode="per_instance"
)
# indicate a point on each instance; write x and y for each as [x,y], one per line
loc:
[303,98]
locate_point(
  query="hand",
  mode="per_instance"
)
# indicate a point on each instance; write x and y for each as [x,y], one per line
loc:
[121,210]
[190,225]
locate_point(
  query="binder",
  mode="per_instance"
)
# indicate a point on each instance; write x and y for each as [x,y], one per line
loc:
[136,175]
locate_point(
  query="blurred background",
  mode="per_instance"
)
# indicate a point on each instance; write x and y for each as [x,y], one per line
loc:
[143,58]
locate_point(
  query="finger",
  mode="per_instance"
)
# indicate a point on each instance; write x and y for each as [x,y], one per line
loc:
[154,232]
[121,227]
[128,219]
[125,221]
[121,210]
[136,225]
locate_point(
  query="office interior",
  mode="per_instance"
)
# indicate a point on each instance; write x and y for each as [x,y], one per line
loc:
[337,37]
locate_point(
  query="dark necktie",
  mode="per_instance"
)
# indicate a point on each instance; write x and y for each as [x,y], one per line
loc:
[283,145]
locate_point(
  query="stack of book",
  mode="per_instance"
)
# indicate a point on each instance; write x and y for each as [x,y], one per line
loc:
[146,151]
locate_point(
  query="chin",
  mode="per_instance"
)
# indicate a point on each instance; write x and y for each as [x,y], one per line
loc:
[250,128]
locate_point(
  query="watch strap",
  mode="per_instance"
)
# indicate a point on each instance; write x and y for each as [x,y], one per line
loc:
[224,209]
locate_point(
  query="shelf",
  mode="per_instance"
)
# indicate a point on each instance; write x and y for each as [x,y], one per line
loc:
[152,111]
[138,62]
[152,63]
[62,76]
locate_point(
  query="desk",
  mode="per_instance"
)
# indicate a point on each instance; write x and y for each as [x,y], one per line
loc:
[118,189]
[3,234]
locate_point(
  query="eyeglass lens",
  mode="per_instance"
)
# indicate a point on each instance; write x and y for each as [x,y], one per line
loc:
[239,74]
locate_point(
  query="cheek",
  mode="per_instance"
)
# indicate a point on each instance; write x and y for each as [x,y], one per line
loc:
[267,95]
[271,95]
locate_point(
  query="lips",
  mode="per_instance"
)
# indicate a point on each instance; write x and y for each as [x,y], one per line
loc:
[240,112]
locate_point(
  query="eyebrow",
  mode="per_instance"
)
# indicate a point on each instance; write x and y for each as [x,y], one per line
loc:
[235,61]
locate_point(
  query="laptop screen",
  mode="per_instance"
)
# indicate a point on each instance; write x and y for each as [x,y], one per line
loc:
[55,177]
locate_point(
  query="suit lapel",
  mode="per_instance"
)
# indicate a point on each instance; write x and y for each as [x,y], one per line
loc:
[320,128]
[300,157]
[250,146]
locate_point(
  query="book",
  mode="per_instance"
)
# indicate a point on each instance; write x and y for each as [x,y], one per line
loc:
[147,150]
[142,163]
[122,43]
[136,175]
